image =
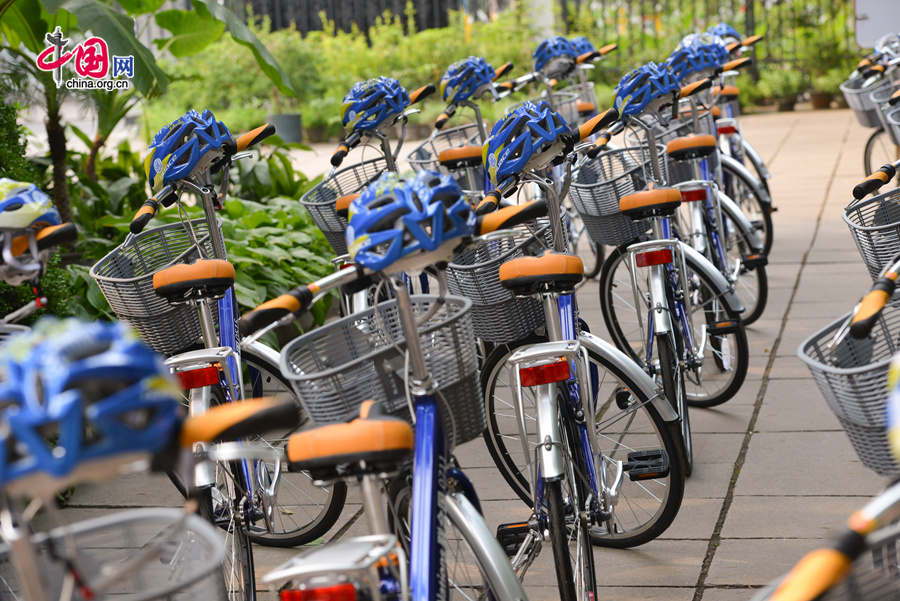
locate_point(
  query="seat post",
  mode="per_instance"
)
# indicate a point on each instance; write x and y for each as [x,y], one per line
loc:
[373,504]
[550,302]
[207,324]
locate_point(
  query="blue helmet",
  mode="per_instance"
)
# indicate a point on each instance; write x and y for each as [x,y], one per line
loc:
[726,32]
[368,104]
[646,88]
[531,136]
[688,60]
[77,392]
[555,56]
[464,79]
[187,146]
[582,45]
[707,42]
[396,217]
[24,205]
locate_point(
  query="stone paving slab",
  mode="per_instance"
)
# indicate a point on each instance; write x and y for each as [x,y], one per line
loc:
[774,473]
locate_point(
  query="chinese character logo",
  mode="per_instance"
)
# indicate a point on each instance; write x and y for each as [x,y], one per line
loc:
[91,62]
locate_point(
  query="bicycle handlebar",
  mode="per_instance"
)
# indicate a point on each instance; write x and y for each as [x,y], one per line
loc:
[148,210]
[588,57]
[344,147]
[442,119]
[693,88]
[254,136]
[872,304]
[489,203]
[598,122]
[422,93]
[232,421]
[878,178]
[502,70]
[736,64]
[294,301]
[607,49]
[873,70]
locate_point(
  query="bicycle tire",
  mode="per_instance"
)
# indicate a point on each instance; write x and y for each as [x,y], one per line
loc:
[737,350]
[754,311]
[755,207]
[874,155]
[673,385]
[239,552]
[559,541]
[646,419]
[301,485]
[239,549]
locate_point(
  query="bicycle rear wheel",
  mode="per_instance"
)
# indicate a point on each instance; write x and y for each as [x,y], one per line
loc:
[625,422]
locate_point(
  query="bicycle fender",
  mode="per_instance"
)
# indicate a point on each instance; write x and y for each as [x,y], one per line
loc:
[724,290]
[738,217]
[638,376]
[757,161]
[733,164]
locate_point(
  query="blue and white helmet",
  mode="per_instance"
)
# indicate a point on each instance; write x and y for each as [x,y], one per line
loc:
[99,391]
[690,60]
[647,88]
[726,32]
[555,57]
[186,147]
[469,78]
[531,136]
[370,103]
[24,205]
[396,217]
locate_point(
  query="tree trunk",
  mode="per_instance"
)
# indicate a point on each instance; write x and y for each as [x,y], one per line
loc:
[56,138]
[90,166]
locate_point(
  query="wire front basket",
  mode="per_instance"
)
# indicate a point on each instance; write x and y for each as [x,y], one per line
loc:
[852,377]
[135,555]
[859,99]
[497,314]
[875,226]
[320,200]
[424,157]
[600,184]
[125,276]
[336,367]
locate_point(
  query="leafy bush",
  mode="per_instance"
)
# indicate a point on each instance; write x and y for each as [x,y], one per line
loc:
[13,163]
[781,84]
[830,81]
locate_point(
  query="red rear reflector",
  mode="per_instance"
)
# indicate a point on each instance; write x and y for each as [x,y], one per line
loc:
[692,195]
[654,257]
[726,130]
[544,374]
[337,592]
[197,378]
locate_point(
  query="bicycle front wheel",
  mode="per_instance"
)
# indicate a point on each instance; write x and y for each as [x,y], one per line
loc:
[880,150]
[744,191]
[220,505]
[673,384]
[625,422]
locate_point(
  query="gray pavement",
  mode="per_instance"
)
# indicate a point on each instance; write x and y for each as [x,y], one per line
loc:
[775,473]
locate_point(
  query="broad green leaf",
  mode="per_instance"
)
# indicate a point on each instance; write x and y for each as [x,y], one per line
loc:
[22,24]
[242,35]
[81,135]
[234,208]
[117,29]
[191,31]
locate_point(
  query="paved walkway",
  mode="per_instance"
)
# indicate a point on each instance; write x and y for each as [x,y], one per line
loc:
[774,471]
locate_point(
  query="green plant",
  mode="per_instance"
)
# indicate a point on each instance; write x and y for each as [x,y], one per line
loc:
[781,84]
[830,81]
[13,163]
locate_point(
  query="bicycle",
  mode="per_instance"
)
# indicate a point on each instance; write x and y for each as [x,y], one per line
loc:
[30,227]
[658,292]
[131,421]
[174,285]
[432,336]
[617,433]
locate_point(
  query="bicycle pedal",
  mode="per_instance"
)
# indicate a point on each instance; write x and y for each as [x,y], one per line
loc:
[721,328]
[512,535]
[647,465]
[624,399]
[755,260]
